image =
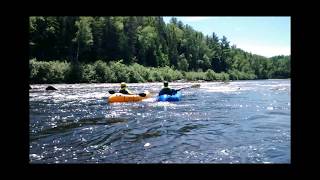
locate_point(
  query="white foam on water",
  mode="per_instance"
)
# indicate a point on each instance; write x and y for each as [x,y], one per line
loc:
[152,99]
[224,152]
[163,104]
[266,162]
[35,156]
[270,108]
[221,89]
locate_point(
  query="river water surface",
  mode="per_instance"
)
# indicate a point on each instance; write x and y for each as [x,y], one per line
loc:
[235,122]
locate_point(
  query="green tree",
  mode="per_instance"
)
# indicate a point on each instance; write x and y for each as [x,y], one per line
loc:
[83,36]
[206,63]
[183,63]
[224,58]
[145,40]
[130,31]
[174,37]
[97,26]
[43,37]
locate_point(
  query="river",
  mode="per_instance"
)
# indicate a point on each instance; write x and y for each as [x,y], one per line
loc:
[235,122]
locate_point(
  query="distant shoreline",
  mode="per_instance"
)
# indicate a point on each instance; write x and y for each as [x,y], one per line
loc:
[176,81]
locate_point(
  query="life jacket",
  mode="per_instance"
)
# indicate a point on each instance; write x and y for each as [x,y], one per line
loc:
[124,90]
[165,90]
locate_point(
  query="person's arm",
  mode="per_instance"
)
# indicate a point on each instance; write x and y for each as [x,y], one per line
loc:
[161,92]
[173,91]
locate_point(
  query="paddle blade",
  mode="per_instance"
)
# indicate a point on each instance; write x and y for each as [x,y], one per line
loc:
[111,92]
[142,94]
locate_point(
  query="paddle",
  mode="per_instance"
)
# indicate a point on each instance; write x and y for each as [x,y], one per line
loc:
[140,94]
[111,92]
[193,86]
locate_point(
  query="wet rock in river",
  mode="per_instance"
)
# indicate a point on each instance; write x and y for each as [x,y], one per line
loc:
[51,88]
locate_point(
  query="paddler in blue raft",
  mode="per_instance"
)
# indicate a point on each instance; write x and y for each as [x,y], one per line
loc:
[166,89]
[168,94]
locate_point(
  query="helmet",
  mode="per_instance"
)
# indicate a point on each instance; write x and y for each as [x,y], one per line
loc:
[165,84]
[123,84]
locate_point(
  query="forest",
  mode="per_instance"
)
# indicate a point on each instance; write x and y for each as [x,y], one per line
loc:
[83,49]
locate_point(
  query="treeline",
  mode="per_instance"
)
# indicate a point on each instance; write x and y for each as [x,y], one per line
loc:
[99,72]
[147,41]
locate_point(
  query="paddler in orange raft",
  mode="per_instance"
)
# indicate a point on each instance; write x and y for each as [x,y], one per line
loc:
[124,89]
[124,95]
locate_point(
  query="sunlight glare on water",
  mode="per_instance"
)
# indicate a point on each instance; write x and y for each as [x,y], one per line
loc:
[233,122]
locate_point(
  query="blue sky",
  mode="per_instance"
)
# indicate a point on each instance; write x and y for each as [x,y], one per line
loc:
[265,35]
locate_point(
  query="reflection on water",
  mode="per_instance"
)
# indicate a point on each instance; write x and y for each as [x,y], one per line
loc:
[236,122]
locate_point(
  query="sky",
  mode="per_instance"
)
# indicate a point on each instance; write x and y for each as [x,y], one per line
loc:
[263,35]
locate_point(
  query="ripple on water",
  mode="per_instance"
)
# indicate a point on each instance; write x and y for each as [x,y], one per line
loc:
[216,123]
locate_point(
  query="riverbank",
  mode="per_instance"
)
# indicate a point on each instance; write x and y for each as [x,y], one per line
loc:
[42,72]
